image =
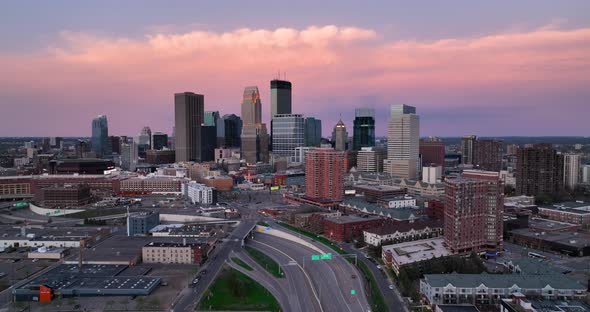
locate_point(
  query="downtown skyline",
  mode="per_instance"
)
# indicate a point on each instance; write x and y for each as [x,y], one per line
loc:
[519,74]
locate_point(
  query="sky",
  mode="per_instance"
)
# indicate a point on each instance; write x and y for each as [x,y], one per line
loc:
[490,68]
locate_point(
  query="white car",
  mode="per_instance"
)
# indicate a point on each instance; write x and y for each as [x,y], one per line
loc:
[391,287]
[379,267]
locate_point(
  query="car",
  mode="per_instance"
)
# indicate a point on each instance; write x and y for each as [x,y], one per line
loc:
[353,276]
[35,260]
[391,287]
[379,266]
[203,272]
[366,256]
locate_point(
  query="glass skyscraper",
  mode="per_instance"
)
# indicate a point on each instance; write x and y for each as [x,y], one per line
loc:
[288,133]
[100,136]
[313,131]
[363,134]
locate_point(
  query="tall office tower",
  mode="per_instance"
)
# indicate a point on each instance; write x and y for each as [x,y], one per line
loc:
[100,135]
[539,170]
[251,106]
[474,205]
[145,137]
[188,117]
[468,149]
[287,134]
[324,170]
[254,143]
[129,156]
[211,118]
[159,140]
[208,141]
[571,170]
[339,136]
[363,132]
[115,144]
[403,142]
[432,152]
[586,174]
[280,97]
[254,133]
[229,130]
[370,159]
[487,155]
[313,131]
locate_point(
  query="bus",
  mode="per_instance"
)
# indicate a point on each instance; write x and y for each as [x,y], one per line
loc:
[536,255]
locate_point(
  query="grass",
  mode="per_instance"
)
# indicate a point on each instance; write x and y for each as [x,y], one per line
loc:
[234,291]
[376,299]
[316,237]
[241,263]
[262,223]
[265,261]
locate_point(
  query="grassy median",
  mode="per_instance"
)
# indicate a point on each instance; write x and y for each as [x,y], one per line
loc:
[234,291]
[265,261]
[316,237]
[241,263]
[376,299]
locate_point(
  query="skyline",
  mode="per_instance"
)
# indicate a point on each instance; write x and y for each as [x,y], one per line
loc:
[523,73]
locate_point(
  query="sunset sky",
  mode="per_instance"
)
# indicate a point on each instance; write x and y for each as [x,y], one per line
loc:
[490,68]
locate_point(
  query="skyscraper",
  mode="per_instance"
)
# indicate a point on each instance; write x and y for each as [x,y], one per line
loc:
[229,130]
[432,152]
[370,159]
[129,156]
[467,149]
[474,205]
[188,117]
[487,155]
[539,170]
[251,106]
[159,140]
[100,136]
[363,134]
[280,97]
[145,137]
[313,131]
[208,141]
[403,142]
[254,133]
[340,136]
[211,118]
[324,170]
[571,170]
[288,133]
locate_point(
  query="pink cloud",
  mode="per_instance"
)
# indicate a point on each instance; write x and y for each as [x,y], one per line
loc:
[131,75]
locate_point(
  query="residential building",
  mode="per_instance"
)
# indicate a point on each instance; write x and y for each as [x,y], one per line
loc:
[468,149]
[402,231]
[199,193]
[324,169]
[488,155]
[340,136]
[129,156]
[474,205]
[407,253]
[363,134]
[100,135]
[175,253]
[189,111]
[140,223]
[539,170]
[288,133]
[345,228]
[403,137]
[571,170]
[370,159]
[313,132]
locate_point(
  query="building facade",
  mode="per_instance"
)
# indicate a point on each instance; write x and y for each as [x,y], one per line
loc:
[403,137]
[571,170]
[100,136]
[189,111]
[313,132]
[288,133]
[129,156]
[140,223]
[539,170]
[363,134]
[340,136]
[199,193]
[229,130]
[324,169]
[175,253]
[432,152]
[370,159]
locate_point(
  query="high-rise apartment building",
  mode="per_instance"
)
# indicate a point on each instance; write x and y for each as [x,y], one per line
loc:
[586,174]
[474,206]
[539,170]
[288,132]
[159,140]
[189,110]
[571,170]
[229,130]
[324,170]
[432,152]
[370,159]
[363,132]
[313,132]
[468,149]
[100,136]
[129,156]
[487,155]
[340,136]
[403,142]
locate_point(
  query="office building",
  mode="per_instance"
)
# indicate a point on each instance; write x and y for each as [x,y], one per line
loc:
[287,134]
[474,205]
[229,130]
[403,142]
[159,141]
[160,157]
[370,159]
[468,149]
[145,137]
[313,132]
[65,196]
[129,156]
[255,143]
[56,142]
[539,170]
[586,174]
[340,136]
[100,136]
[211,118]
[175,253]
[208,142]
[80,166]
[280,97]
[363,132]
[432,152]
[188,118]
[324,169]
[115,144]
[571,171]
[140,223]
[432,174]
[251,106]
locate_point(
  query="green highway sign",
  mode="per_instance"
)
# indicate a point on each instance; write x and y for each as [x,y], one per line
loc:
[327,256]
[352,292]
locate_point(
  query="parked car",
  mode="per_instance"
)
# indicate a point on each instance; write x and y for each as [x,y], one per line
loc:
[391,287]
[379,266]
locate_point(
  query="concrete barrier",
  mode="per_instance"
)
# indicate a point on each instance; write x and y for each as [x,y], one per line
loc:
[287,236]
[53,212]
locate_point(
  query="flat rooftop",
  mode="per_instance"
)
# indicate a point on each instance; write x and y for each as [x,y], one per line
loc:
[47,233]
[568,238]
[549,225]
[352,219]
[415,251]
[571,207]
[457,308]
[380,188]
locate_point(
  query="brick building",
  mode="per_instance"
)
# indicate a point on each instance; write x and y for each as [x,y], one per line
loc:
[539,170]
[432,152]
[349,227]
[175,253]
[65,196]
[324,169]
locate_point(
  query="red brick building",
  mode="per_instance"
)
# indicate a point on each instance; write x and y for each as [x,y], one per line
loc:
[435,209]
[349,227]
[433,152]
[474,209]
[324,170]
